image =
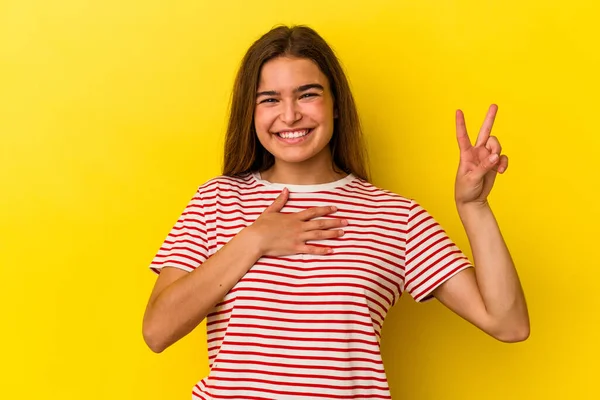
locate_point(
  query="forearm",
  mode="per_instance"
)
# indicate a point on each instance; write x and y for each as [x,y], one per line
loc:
[495,272]
[182,305]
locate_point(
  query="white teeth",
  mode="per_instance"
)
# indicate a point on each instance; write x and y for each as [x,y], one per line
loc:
[294,134]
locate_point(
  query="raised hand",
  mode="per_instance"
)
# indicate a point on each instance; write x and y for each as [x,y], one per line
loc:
[286,234]
[479,164]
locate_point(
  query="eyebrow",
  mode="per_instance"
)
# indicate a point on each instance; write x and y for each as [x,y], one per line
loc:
[299,89]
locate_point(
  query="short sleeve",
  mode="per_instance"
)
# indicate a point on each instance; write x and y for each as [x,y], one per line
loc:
[186,245]
[431,256]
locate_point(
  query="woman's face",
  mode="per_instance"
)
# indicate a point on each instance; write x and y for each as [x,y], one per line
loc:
[294,110]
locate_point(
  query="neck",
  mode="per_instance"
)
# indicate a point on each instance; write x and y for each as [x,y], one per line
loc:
[309,172]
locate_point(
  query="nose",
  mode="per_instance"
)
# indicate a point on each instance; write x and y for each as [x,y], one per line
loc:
[290,113]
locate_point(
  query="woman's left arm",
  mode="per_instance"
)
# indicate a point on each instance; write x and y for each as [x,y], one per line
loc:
[490,295]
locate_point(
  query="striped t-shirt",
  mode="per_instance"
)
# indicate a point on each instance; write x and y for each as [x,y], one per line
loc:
[309,326]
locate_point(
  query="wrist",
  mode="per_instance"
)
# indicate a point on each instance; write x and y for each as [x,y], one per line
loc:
[473,210]
[251,241]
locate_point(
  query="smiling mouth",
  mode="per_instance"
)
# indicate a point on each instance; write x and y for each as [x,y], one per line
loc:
[295,134]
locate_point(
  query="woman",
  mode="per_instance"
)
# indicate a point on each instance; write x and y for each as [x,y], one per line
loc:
[295,258]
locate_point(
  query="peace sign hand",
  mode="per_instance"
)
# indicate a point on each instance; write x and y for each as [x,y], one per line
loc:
[479,164]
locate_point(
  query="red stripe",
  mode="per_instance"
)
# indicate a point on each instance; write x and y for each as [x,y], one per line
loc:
[175,262]
[314,285]
[425,264]
[191,210]
[248,344]
[296,311]
[306,321]
[250,335]
[323,276]
[199,395]
[291,302]
[226,183]
[304,330]
[379,322]
[311,394]
[299,198]
[308,376]
[297,384]
[254,215]
[200,243]
[338,263]
[436,264]
[365,186]
[348,231]
[412,235]
[239,397]
[327,196]
[319,294]
[439,281]
[353,368]
[219,204]
[299,357]
[177,228]
[422,239]
[398,255]
[202,256]
[371,194]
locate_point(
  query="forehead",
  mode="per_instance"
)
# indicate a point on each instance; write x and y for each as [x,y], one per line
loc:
[288,73]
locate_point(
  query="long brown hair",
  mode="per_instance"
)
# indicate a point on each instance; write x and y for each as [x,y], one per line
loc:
[243,151]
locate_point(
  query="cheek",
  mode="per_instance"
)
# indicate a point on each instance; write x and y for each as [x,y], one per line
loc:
[321,113]
[263,119]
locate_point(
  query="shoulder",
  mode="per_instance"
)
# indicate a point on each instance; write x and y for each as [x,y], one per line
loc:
[370,190]
[226,183]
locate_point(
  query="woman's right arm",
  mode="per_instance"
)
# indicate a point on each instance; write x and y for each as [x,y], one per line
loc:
[180,300]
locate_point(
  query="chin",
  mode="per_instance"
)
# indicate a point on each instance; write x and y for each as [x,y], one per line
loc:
[292,158]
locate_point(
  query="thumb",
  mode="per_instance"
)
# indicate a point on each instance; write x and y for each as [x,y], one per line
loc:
[486,166]
[279,202]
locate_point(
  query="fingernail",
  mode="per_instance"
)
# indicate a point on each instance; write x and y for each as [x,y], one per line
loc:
[333,208]
[493,158]
[345,222]
[329,251]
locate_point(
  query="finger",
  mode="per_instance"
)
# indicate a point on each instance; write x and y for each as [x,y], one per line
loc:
[316,212]
[321,224]
[502,164]
[486,165]
[493,145]
[279,202]
[317,250]
[486,128]
[321,235]
[464,143]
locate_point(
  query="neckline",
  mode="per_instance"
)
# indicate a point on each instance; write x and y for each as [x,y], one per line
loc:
[304,188]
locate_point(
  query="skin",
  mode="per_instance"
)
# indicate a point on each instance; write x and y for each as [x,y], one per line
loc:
[490,296]
[293,94]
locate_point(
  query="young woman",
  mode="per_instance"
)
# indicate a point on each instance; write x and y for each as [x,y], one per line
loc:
[295,258]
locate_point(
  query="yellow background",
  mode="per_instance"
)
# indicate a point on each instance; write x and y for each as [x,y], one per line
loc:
[113,112]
